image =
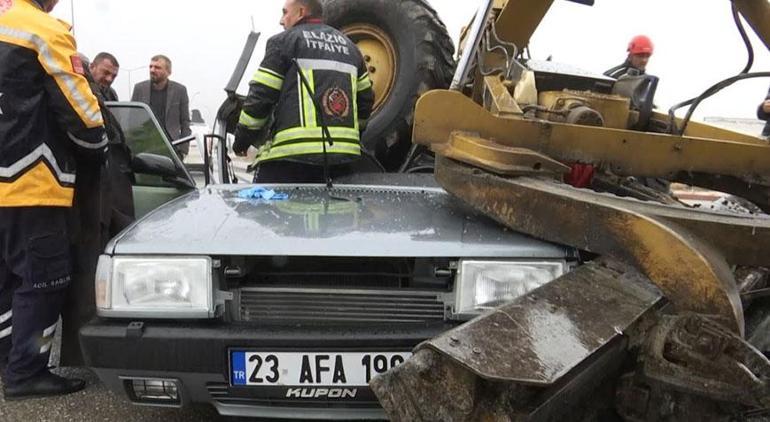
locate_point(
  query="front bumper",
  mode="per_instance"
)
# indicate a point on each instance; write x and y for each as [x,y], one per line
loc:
[195,356]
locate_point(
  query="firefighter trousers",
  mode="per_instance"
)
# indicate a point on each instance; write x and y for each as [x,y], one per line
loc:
[35,270]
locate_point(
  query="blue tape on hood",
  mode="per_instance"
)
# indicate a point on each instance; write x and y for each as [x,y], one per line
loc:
[259,192]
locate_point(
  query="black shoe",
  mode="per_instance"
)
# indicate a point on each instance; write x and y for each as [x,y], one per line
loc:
[44,385]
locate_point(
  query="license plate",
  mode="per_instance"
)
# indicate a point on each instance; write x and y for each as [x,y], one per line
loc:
[310,369]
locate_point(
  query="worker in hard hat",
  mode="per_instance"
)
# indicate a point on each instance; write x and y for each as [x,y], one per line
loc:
[640,50]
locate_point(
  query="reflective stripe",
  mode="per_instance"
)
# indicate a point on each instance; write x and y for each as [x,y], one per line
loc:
[6,316]
[308,148]
[40,152]
[46,347]
[364,84]
[271,72]
[355,105]
[315,134]
[309,110]
[7,332]
[268,78]
[48,332]
[90,110]
[327,65]
[300,208]
[88,145]
[251,122]
[300,101]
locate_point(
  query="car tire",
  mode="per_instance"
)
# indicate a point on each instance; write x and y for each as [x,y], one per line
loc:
[411,33]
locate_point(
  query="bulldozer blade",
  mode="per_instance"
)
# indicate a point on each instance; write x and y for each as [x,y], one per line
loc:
[691,274]
[538,357]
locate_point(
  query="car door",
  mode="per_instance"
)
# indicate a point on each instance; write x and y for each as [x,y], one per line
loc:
[168,178]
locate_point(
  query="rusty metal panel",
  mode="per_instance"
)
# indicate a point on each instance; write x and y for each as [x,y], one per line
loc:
[537,339]
[688,270]
[540,356]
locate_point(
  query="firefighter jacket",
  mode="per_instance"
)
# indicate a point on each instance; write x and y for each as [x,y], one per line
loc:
[338,81]
[48,113]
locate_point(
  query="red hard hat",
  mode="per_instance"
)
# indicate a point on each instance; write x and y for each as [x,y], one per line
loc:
[641,44]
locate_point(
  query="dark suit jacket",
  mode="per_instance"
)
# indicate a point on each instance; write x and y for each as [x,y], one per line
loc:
[764,116]
[177,122]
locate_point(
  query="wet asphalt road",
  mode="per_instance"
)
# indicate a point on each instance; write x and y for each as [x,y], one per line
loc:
[96,403]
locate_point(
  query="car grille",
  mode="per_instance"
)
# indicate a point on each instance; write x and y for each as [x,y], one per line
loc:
[325,305]
[221,393]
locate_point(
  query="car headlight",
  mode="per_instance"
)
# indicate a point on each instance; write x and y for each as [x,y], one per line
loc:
[154,287]
[483,285]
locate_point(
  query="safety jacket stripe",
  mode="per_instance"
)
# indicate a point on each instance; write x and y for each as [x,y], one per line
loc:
[310,117]
[6,316]
[7,332]
[364,84]
[48,332]
[356,123]
[300,208]
[40,152]
[46,347]
[301,102]
[316,134]
[313,64]
[37,186]
[88,145]
[75,89]
[268,79]
[251,122]
[307,148]
[271,72]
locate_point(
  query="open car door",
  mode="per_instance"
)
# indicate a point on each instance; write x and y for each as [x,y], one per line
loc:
[160,175]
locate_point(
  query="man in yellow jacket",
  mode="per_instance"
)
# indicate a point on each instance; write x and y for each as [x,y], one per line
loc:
[49,120]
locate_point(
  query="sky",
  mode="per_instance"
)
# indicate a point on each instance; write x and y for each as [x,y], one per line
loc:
[204,41]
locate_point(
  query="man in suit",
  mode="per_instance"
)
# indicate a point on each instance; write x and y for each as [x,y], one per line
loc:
[168,100]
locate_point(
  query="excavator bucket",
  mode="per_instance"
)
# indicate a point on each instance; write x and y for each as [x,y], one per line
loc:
[664,322]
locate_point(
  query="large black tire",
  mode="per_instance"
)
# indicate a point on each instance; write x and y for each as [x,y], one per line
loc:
[424,57]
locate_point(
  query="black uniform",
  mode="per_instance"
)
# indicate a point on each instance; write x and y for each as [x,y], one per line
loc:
[48,117]
[623,69]
[103,207]
[761,115]
[339,82]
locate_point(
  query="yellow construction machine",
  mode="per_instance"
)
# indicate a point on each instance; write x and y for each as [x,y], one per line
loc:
[669,317]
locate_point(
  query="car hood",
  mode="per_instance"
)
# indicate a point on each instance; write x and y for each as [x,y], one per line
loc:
[355,221]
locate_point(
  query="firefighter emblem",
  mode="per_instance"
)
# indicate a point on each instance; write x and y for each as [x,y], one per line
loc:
[336,103]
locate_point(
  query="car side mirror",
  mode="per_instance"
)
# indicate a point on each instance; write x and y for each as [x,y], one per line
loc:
[153,164]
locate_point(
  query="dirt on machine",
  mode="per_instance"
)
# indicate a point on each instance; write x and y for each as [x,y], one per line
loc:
[668,317]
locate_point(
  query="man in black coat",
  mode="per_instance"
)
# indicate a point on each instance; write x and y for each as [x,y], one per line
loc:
[763,113]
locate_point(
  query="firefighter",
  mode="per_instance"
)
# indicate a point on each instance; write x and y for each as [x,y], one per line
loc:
[48,119]
[640,49]
[336,91]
